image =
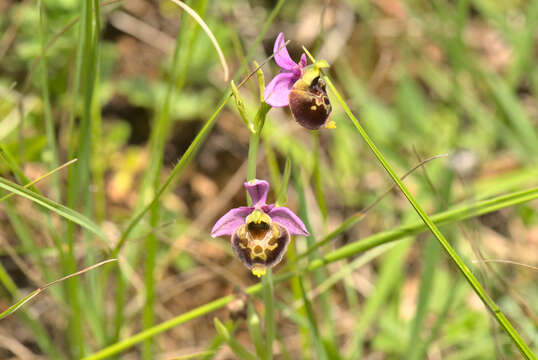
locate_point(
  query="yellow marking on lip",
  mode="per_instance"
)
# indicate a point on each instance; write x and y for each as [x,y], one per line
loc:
[257,217]
[259,271]
[313,107]
[263,244]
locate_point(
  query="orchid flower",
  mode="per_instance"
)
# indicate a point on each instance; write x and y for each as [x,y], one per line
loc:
[277,91]
[300,87]
[260,233]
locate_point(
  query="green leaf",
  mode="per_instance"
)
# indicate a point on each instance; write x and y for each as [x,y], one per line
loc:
[54,206]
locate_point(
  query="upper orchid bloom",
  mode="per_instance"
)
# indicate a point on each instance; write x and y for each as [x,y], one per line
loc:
[277,91]
[260,233]
[301,87]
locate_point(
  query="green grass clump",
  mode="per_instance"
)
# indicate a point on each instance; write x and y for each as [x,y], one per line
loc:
[155,146]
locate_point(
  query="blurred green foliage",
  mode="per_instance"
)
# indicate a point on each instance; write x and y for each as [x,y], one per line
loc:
[423,77]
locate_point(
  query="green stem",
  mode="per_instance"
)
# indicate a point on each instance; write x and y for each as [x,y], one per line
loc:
[49,123]
[267,281]
[268,298]
[475,284]
[253,145]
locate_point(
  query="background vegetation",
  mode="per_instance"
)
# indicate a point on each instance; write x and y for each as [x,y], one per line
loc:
[134,91]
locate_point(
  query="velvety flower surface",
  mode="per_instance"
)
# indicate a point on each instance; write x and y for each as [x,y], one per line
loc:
[260,233]
[277,91]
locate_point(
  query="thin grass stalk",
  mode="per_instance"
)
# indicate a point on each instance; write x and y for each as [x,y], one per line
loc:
[386,282]
[446,217]
[94,301]
[49,123]
[304,331]
[18,223]
[320,274]
[19,175]
[270,325]
[78,179]
[23,233]
[312,322]
[419,351]
[475,284]
[59,209]
[40,333]
[443,218]
[36,292]
[432,254]
[67,257]
[341,275]
[353,219]
[158,139]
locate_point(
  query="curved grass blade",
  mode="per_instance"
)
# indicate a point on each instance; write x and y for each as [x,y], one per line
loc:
[446,217]
[353,219]
[209,33]
[32,183]
[471,279]
[53,206]
[36,292]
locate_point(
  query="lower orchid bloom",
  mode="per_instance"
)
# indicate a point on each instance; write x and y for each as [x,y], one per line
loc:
[300,87]
[260,234]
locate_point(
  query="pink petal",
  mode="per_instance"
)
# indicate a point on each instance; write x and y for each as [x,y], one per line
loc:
[257,189]
[282,57]
[277,91]
[267,208]
[233,219]
[302,62]
[286,217]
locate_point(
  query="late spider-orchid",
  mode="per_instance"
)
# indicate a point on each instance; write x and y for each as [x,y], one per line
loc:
[300,87]
[260,233]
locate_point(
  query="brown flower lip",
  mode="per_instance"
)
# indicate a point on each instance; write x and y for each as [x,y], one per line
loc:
[309,103]
[260,246]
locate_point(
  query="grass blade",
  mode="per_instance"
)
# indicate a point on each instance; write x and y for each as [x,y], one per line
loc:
[446,217]
[475,284]
[36,292]
[53,206]
[32,183]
